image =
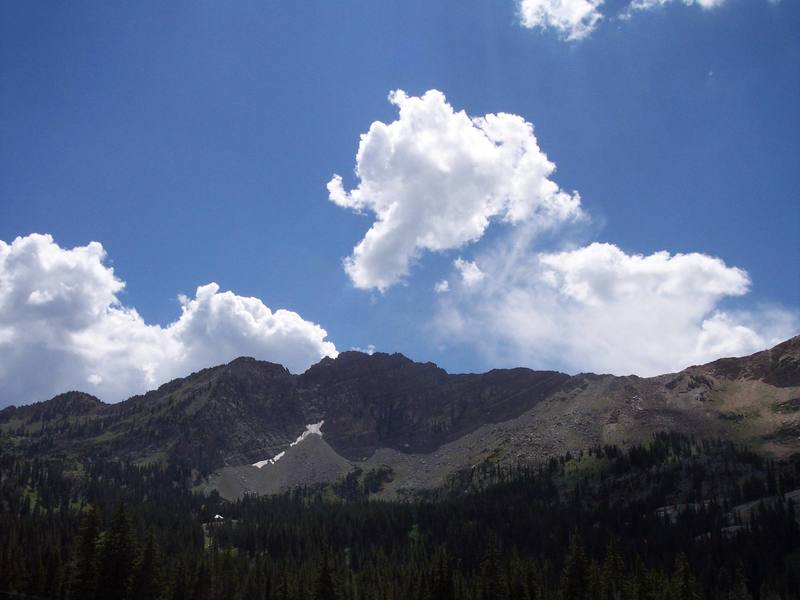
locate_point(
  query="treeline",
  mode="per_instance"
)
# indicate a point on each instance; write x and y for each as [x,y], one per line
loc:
[673,519]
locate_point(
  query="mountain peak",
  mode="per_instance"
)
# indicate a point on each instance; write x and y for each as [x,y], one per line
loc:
[778,366]
[245,364]
[353,356]
[67,404]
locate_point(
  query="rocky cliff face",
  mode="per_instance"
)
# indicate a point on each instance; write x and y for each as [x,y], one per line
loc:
[389,401]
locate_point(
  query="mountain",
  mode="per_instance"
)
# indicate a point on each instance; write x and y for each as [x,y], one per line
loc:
[389,401]
[411,423]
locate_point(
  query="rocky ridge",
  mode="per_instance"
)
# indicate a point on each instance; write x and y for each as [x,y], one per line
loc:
[385,412]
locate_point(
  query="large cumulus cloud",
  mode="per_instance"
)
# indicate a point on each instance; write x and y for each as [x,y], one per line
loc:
[62,327]
[435,178]
[599,308]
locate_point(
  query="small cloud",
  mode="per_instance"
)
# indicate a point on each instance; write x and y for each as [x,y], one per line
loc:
[471,274]
[640,5]
[442,287]
[573,19]
[370,349]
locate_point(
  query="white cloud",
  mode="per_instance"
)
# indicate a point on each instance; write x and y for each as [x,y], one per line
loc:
[471,274]
[441,287]
[649,4]
[436,178]
[63,327]
[598,308]
[602,274]
[370,349]
[577,19]
[573,19]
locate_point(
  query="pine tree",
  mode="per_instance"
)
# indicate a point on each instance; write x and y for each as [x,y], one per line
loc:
[441,587]
[54,573]
[282,587]
[684,586]
[117,557]
[148,576]
[203,588]
[612,574]
[738,589]
[180,589]
[574,577]
[256,587]
[491,583]
[324,586]
[83,578]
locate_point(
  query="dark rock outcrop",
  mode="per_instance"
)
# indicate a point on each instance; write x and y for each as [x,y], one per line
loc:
[389,401]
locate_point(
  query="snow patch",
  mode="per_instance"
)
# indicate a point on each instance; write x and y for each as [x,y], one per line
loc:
[311,429]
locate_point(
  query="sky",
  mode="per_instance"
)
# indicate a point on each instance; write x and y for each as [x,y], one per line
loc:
[558,184]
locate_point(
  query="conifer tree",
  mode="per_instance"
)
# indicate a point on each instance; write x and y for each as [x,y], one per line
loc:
[684,586]
[491,583]
[574,577]
[117,557]
[324,586]
[203,589]
[738,589]
[180,590]
[612,574]
[83,579]
[441,587]
[148,578]
[54,573]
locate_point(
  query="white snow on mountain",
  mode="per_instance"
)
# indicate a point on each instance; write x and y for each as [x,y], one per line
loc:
[311,429]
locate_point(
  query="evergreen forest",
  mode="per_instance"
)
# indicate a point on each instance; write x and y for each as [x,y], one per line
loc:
[674,519]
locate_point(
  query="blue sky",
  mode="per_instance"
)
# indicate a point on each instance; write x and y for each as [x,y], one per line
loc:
[195,142]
